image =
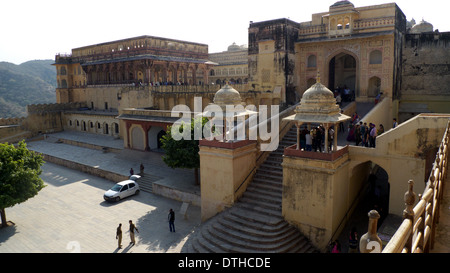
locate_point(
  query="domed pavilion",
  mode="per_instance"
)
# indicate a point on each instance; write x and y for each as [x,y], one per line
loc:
[318,106]
[228,96]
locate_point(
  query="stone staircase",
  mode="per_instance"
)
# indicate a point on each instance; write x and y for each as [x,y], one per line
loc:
[146,182]
[255,223]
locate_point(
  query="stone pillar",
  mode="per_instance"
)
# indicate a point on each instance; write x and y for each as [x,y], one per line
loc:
[408,213]
[298,135]
[335,137]
[225,171]
[315,199]
[194,74]
[370,242]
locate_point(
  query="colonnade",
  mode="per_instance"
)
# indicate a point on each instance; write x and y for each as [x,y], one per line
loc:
[147,72]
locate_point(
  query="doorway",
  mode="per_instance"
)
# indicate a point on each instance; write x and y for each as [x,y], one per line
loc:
[342,75]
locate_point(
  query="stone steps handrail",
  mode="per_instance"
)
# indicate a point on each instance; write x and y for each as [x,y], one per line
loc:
[417,231]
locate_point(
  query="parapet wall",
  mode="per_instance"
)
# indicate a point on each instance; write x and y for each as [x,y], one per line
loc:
[11,121]
[46,118]
[54,107]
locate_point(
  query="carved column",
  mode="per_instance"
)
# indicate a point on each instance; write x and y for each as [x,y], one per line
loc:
[410,198]
[370,242]
[408,213]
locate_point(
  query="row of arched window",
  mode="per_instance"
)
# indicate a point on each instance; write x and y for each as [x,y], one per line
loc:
[97,127]
[230,71]
[341,23]
[375,57]
[63,71]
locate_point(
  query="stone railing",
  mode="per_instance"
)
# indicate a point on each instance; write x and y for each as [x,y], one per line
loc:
[417,231]
[315,29]
[357,26]
[374,22]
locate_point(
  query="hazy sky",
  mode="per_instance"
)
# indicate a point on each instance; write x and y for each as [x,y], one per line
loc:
[38,29]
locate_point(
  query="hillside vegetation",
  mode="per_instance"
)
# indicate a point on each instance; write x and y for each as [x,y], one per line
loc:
[31,82]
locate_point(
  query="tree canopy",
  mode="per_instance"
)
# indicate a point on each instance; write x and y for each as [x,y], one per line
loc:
[19,175]
[183,153]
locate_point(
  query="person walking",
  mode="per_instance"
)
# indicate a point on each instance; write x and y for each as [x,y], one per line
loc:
[131,171]
[171,218]
[394,123]
[357,134]
[330,139]
[372,135]
[119,236]
[363,130]
[380,130]
[132,229]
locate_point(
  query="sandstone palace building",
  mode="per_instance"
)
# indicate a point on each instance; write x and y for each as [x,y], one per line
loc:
[367,50]
[127,88]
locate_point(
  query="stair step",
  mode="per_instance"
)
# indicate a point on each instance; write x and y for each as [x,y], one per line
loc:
[254,239]
[267,184]
[238,245]
[275,191]
[270,173]
[249,226]
[268,199]
[259,207]
[265,191]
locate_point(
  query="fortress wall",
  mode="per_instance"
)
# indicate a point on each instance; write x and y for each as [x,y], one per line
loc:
[46,118]
[425,74]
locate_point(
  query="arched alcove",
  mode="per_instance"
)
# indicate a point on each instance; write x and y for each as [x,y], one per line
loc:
[375,57]
[374,86]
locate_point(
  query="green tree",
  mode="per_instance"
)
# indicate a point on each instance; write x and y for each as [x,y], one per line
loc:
[19,175]
[183,153]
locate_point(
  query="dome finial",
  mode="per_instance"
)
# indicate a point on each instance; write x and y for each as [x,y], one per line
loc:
[318,77]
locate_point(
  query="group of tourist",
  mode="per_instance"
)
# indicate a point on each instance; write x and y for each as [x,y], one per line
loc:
[343,94]
[362,133]
[157,83]
[133,228]
[314,139]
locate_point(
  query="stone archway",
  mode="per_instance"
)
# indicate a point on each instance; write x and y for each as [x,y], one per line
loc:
[371,181]
[137,138]
[154,134]
[343,67]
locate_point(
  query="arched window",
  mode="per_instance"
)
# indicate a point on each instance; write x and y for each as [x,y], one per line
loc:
[333,24]
[375,57]
[63,70]
[374,86]
[347,23]
[312,61]
[339,24]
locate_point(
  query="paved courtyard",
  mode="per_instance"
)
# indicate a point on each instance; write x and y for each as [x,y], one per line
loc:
[70,215]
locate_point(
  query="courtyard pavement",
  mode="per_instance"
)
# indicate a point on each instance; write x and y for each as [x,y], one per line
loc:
[70,215]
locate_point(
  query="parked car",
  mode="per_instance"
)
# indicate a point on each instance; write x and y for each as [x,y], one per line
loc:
[123,189]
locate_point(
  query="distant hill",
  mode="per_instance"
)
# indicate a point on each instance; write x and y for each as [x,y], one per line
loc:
[31,82]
